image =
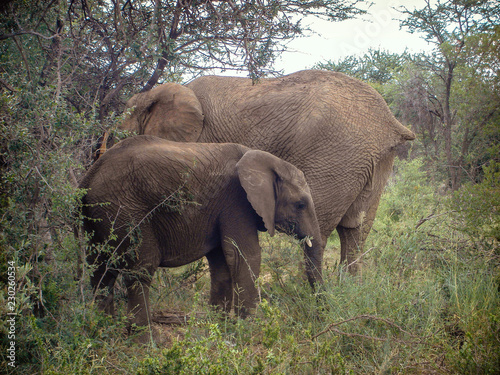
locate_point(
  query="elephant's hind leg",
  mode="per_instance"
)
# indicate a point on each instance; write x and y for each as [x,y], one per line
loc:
[356,224]
[221,289]
[352,240]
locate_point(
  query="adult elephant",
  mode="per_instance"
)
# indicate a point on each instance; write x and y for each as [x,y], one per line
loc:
[165,204]
[336,129]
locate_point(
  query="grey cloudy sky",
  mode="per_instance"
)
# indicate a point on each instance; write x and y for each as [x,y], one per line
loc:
[336,40]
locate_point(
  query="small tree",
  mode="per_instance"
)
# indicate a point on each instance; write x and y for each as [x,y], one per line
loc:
[453,26]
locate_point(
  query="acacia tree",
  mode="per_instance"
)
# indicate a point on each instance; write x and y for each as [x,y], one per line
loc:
[451,97]
[453,27]
[93,51]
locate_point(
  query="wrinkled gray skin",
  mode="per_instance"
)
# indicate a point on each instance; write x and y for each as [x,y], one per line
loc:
[237,191]
[336,129]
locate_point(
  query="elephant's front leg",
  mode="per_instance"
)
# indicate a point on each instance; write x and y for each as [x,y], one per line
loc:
[221,282]
[138,308]
[243,257]
[103,281]
[138,281]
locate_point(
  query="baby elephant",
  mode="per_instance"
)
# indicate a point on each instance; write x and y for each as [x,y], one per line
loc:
[159,203]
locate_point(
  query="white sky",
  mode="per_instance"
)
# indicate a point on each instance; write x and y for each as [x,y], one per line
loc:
[336,40]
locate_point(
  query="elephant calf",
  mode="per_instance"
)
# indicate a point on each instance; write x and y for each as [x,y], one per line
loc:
[159,203]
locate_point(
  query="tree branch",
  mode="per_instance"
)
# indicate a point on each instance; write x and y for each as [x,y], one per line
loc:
[331,328]
[431,216]
[7,86]
[26,32]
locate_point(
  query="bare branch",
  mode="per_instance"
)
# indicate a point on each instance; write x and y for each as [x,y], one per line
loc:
[432,216]
[7,86]
[26,32]
[331,328]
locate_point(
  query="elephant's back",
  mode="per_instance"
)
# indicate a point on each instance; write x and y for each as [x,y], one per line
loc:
[151,149]
[329,105]
[144,169]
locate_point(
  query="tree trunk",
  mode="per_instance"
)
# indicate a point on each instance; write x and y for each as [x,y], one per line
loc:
[162,63]
[448,124]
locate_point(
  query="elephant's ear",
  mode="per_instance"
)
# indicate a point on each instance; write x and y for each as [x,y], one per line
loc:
[170,111]
[258,179]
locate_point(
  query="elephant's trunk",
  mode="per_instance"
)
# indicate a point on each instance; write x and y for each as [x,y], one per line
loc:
[313,249]
[314,259]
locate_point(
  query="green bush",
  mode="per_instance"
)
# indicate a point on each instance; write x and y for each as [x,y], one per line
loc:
[471,277]
[476,209]
[445,250]
[408,194]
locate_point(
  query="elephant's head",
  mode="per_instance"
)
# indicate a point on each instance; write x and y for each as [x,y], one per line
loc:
[279,193]
[169,111]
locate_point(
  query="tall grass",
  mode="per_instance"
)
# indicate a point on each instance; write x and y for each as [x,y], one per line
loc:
[428,302]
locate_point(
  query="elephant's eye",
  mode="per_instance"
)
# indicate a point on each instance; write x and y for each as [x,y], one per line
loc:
[300,205]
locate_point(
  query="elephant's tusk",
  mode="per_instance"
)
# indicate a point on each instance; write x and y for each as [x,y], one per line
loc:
[308,242]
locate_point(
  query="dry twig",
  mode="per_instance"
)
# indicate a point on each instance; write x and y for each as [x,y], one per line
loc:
[431,216]
[175,318]
[360,257]
[331,328]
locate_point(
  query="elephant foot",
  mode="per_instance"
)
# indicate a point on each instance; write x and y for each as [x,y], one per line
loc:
[355,268]
[243,311]
[144,335]
[224,310]
[106,304]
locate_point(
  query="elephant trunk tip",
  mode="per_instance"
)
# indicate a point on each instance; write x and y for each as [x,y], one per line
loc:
[315,279]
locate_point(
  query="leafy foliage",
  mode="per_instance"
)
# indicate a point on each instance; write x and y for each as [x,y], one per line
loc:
[478,215]
[375,66]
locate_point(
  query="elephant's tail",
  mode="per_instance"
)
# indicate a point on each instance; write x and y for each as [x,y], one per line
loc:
[399,134]
[403,134]
[407,134]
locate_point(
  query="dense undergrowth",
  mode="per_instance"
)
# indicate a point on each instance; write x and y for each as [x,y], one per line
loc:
[427,302]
